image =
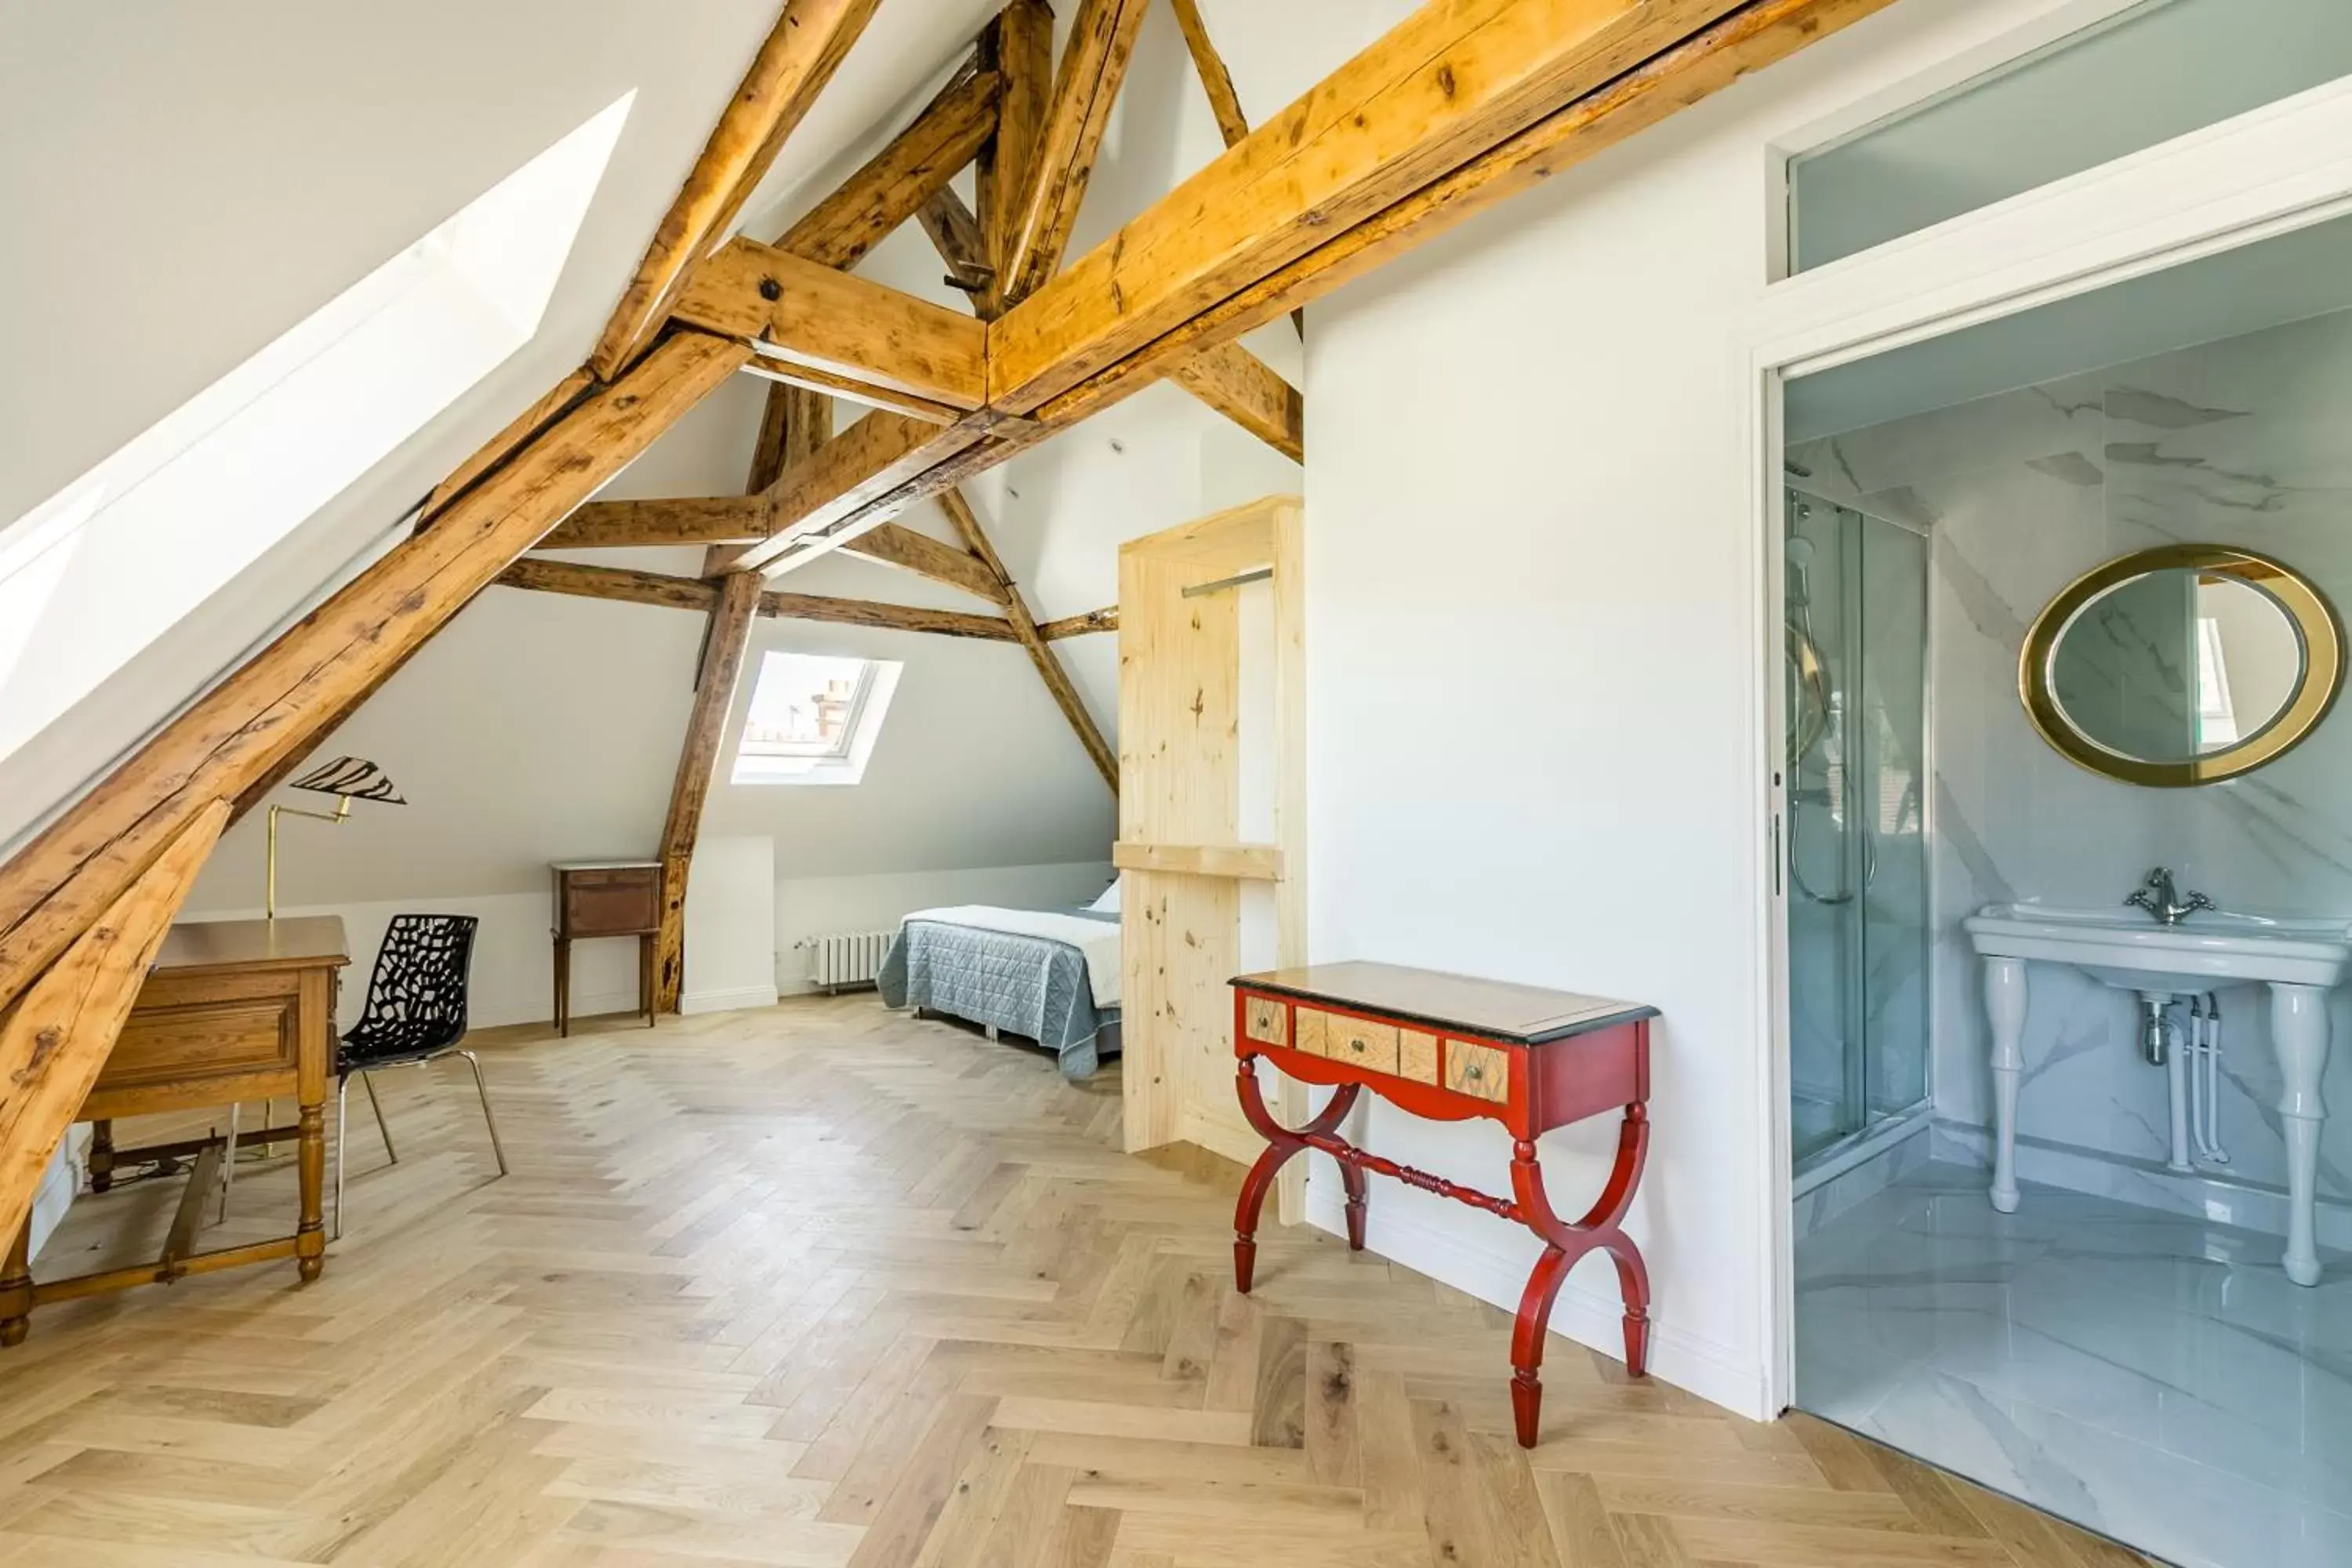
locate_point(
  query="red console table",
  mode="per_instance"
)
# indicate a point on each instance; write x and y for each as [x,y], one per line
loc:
[1448,1047]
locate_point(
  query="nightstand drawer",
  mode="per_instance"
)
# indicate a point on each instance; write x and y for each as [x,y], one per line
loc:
[1267,1021]
[1482,1072]
[1417,1055]
[1361,1043]
[1311,1034]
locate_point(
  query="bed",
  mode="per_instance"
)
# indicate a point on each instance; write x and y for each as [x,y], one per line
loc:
[1050,975]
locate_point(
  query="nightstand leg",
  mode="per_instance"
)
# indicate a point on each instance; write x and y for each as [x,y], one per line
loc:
[1281,1143]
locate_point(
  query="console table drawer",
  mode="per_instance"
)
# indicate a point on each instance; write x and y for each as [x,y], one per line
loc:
[1267,1021]
[1361,1043]
[1482,1072]
[1417,1055]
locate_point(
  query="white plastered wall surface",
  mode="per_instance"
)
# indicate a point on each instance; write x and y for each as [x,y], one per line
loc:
[1533,604]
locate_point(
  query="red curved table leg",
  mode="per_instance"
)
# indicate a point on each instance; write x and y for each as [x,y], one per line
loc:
[1281,1143]
[1602,1227]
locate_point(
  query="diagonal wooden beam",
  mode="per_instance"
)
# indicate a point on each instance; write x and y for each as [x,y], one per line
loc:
[1246,390]
[678,520]
[1447,84]
[894,545]
[56,1039]
[622,585]
[54,888]
[796,424]
[781,373]
[894,185]
[1094,64]
[955,234]
[1209,66]
[724,649]
[1049,667]
[1019,47]
[811,314]
[799,56]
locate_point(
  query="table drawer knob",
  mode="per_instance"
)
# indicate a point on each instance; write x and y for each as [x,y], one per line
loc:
[1475,1073]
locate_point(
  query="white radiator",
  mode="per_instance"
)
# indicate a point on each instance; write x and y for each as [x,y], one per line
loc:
[845,958]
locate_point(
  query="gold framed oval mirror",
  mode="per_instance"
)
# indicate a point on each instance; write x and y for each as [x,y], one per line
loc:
[2182,665]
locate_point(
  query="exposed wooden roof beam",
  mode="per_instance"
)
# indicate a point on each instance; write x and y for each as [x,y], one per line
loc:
[902,547]
[828,496]
[724,646]
[1094,64]
[955,234]
[1019,47]
[799,56]
[1049,667]
[1444,85]
[894,185]
[781,373]
[626,585]
[1246,390]
[1103,620]
[58,884]
[557,400]
[682,520]
[810,314]
[55,1042]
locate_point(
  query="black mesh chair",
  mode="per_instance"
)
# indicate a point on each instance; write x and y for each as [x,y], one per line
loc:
[415,1014]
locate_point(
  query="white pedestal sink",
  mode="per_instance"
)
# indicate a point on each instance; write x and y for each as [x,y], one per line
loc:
[2298,960]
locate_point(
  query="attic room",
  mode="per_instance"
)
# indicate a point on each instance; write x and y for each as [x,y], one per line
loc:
[1170,784]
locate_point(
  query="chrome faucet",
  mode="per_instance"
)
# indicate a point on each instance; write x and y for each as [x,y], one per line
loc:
[2162,900]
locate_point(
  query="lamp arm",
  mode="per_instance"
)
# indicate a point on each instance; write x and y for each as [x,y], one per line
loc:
[269,888]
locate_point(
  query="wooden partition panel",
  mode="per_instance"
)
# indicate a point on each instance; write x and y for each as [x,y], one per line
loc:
[1180,812]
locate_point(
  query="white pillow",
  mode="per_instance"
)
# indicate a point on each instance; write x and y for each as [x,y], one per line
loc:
[1109,903]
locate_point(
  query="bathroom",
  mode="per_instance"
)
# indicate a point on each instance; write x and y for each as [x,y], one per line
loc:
[2062,599]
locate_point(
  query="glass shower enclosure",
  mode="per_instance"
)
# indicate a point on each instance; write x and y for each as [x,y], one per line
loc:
[1857,848]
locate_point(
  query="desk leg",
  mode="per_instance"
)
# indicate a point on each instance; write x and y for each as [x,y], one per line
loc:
[101,1156]
[310,1236]
[16,1288]
[1281,1143]
[1564,1245]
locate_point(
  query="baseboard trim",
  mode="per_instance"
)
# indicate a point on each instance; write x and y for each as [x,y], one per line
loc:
[732,999]
[1592,1318]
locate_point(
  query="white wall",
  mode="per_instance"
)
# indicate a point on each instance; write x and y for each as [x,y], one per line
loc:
[1533,602]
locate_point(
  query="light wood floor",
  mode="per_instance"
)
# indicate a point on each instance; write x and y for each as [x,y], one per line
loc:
[822,1285]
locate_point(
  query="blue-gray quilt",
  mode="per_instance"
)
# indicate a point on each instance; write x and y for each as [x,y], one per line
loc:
[1022,984]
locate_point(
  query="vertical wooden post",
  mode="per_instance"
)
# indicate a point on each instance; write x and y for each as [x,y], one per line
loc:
[714,695]
[1019,47]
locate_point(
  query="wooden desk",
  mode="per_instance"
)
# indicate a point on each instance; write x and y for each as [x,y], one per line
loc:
[233,1011]
[605,898]
[1450,1048]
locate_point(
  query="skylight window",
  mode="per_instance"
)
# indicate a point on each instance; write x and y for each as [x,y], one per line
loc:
[814,719]
[96,573]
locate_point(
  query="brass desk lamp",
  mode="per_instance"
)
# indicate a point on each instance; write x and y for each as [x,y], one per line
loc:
[347,779]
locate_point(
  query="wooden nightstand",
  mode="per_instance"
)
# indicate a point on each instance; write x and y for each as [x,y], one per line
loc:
[605,898]
[1450,1048]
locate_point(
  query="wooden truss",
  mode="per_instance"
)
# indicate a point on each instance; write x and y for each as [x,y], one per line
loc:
[1462,105]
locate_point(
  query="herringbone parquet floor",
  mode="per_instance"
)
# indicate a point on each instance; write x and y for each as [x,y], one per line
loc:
[823,1286]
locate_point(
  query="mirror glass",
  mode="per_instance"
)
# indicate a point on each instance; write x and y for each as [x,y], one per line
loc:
[2173,665]
[2182,665]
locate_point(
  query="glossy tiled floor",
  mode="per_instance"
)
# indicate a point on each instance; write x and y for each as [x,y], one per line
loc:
[2154,1378]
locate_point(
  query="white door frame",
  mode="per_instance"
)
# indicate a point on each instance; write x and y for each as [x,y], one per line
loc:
[2271,170]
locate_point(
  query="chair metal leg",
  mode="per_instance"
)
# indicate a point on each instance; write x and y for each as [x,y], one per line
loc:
[487,1115]
[342,1142]
[228,1165]
[380,1125]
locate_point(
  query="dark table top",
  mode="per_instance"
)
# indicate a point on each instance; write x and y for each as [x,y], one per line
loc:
[298,941]
[1495,1009]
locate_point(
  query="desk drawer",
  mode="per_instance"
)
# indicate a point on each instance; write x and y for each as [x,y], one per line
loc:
[1417,1055]
[199,1040]
[1265,1021]
[1361,1043]
[1311,1032]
